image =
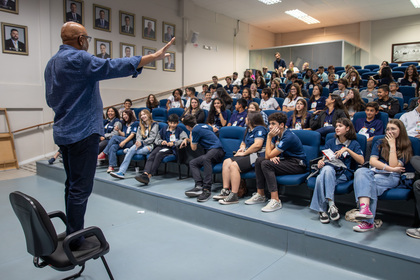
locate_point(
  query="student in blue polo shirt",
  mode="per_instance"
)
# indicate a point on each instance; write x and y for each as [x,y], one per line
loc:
[238,118]
[286,156]
[346,149]
[112,120]
[166,142]
[331,84]
[317,101]
[252,147]
[370,126]
[300,117]
[202,134]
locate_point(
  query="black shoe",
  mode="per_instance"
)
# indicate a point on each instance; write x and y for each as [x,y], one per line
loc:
[194,192]
[51,160]
[143,178]
[204,196]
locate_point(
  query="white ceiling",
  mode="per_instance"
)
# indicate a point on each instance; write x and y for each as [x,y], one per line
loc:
[329,12]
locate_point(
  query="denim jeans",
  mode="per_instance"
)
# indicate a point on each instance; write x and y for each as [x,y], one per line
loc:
[325,185]
[370,184]
[79,160]
[131,152]
[113,146]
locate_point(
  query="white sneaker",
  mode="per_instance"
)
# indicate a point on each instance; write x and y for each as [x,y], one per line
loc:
[255,199]
[272,205]
[125,151]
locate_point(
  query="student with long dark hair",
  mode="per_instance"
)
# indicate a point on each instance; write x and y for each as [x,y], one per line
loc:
[300,117]
[353,102]
[194,109]
[386,76]
[110,123]
[317,101]
[152,102]
[218,116]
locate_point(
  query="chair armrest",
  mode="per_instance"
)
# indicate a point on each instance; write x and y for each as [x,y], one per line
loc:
[86,232]
[58,214]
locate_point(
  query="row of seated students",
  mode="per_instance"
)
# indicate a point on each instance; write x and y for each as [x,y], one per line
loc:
[270,151]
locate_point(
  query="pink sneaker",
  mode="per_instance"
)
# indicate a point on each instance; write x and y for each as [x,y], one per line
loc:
[364,212]
[102,156]
[363,226]
[110,169]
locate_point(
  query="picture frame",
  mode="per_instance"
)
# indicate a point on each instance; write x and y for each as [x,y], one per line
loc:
[14,38]
[73,10]
[146,51]
[169,63]
[127,50]
[406,52]
[149,29]
[168,32]
[11,6]
[127,23]
[99,43]
[101,18]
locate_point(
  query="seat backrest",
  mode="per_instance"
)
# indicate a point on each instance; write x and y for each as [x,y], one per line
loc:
[339,68]
[138,110]
[162,125]
[256,99]
[399,69]
[41,237]
[181,125]
[311,140]
[279,101]
[371,66]
[206,114]
[269,112]
[231,138]
[408,92]
[162,103]
[160,115]
[176,111]
[393,65]
[365,76]
[409,63]
[361,71]
[397,74]
[398,116]
[357,67]
[401,102]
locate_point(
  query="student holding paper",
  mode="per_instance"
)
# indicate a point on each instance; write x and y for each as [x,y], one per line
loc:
[345,148]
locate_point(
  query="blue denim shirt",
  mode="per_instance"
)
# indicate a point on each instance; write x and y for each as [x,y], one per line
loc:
[72,90]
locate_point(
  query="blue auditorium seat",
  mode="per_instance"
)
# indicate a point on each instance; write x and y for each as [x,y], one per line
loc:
[160,114]
[279,101]
[162,103]
[231,138]
[371,66]
[138,110]
[408,92]
[409,63]
[393,65]
[399,69]
[397,74]
[176,111]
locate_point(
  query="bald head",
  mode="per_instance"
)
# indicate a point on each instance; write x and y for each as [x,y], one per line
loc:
[71,35]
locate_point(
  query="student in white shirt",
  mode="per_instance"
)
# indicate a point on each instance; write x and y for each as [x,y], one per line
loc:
[268,102]
[290,101]
[411,121]
[175,100]
[205,105]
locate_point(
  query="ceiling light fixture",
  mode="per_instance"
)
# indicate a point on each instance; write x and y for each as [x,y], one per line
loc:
[270,2]
[416,3]
[302,16]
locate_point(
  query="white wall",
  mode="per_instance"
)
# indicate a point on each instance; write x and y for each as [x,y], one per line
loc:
[21,77]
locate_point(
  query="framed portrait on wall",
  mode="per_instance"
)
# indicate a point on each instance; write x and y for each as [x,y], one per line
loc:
[103,48]
[146,51]
[101,18]
[127,50]
[406,52]
[169,62]
[168,32]
[127,23]
[149,28]
[10,6]
[73,10]
[14,38]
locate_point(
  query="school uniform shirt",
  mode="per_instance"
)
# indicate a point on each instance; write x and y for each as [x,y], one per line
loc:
[269,104]
[397,94]
[331,87]
[373,128]
[290,146]
[369,95]
[174,104]
[291,103]
[376,152]
[109,126]
[323,77]
[318,104]
[341,93]
[228,88]
[238,119]
[406,82]
[299,124]
[217,121]
[336,145]
[206,106]
[236,95]
[411,121]
[259,132]
[177,136]
[203,134]
[391,106]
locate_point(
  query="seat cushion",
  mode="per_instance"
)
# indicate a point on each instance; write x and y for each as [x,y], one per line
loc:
[399,193]
[295,179]
[248,175]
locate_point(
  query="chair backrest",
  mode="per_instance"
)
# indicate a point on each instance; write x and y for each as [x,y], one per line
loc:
[160,114]
[381,115]
[256,99]
[399,68]
[357,67]
[234,100]
[371,66]
[181,125]
[231,138]
[138,110]
[311,140]
[398,116]
[393,65]
[325,92]
[401,102]
[408,92]
[41,238]
[280,101]
[361,71]
[365,76]
[339,72]
[162,125]
[162,103]
[409,63]
[339,68]
[229,114]
[397,74]
[269,112]
[176,111]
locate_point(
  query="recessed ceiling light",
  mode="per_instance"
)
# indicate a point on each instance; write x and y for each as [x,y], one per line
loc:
[416,3]
[270,2]
[302,16]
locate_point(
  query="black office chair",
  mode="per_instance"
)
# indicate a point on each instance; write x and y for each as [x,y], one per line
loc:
[51,249]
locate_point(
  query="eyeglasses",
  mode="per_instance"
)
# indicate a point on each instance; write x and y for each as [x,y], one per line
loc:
[88,38]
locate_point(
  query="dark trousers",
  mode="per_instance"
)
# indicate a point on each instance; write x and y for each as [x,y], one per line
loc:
[79,161]
[266,171]
[155,158]
[416,190]
[212,156]
[102,145]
